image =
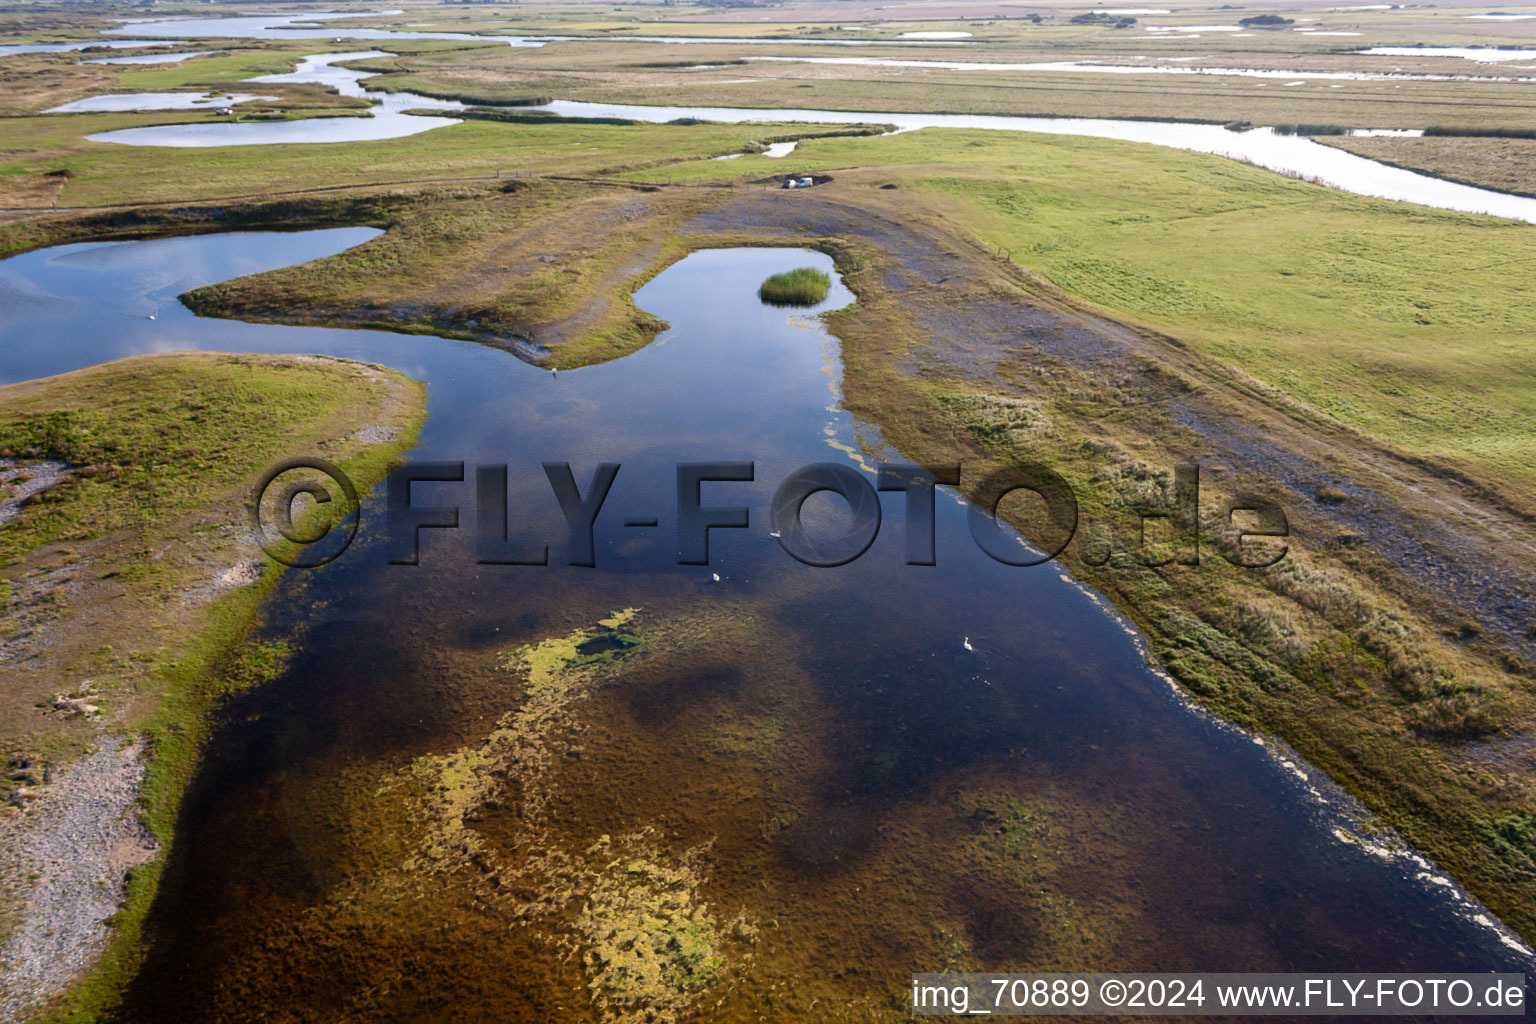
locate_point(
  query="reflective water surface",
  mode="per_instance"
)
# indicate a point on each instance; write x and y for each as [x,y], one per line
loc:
[1090,67]
[1284,153]
[1481,54]
[315,26]
[1288,154]
[387,119]
[11,49]
[811,759]
[155,101]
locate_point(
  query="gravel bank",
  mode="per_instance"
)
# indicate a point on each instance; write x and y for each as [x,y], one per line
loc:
[66,855]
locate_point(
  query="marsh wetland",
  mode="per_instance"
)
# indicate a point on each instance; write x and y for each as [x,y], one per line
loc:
[444,757]
[486,785]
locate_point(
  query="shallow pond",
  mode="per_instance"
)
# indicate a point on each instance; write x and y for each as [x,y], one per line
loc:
[314,26]
[1481,54]
[1136,69]
[387,119]
[12,49]
[155,101]
[868,767]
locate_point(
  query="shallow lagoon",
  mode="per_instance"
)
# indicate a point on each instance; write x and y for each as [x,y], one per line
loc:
[824,731]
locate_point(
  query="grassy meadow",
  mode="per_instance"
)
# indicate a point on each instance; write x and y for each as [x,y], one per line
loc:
[1401,322]
[612,72]
[105,173]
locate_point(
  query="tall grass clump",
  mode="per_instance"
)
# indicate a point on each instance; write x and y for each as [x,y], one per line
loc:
[803,286]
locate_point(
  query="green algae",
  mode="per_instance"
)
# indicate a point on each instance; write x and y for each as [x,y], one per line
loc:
[646,943]
[451,787]
[547,662]
[651,945]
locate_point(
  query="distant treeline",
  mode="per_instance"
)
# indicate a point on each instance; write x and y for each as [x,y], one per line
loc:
[387,84]
[475,100]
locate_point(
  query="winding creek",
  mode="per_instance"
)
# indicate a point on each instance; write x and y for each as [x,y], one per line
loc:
[1287,154]
[1480,54]
[1093,67]
[386,120]
[841,701]
[155,101]
[152,58]
[313,26]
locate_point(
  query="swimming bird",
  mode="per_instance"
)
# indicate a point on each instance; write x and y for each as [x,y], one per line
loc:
[716,576]
[774,535]
[968,644]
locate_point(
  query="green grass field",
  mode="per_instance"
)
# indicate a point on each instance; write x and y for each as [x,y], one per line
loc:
[108,173]
[1405,328]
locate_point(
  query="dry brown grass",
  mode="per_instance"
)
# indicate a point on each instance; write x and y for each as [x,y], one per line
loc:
[36,81]
[610,72]
[31,191]
[1508,165]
